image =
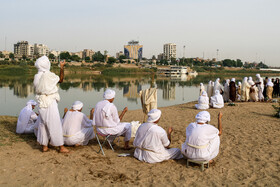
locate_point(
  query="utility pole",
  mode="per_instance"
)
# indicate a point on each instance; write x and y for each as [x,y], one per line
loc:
[5,43]
[217,54]
[184,48]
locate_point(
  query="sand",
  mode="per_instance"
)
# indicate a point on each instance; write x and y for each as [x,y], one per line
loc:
[249,154]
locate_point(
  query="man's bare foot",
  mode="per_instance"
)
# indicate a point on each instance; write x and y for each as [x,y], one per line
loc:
[45,148]
[63,149]
[77,145]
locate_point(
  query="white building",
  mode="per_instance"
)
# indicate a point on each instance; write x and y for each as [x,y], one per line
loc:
[169,51]
[41,49]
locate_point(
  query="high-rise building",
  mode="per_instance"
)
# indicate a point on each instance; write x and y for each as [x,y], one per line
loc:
[88,53]
[133,50]
[169,51]
[41,49]
[21,48]
[118,54]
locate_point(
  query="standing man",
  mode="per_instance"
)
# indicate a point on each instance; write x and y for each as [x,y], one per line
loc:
[49,125]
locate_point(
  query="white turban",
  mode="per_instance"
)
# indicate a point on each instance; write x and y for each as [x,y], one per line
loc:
[239,83]
[204,93]
[153,115]
[201,84]
[43,64]
[202,117]
[269,83]
[217,92]
[258,75]
[109,94]
[31,103]
[77,105]
[233,79]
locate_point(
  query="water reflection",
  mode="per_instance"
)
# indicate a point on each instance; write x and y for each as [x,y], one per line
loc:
[89,89]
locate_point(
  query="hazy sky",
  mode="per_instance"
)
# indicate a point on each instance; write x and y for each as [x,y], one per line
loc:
[245,29]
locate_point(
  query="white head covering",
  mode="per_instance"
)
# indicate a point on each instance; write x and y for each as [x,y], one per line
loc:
[218,79]
[233,79]
[77,105]
[217,92]
[204,94]
[258,75]
[239,83]
[201,84]
[43,64]
[109,94]
[24,116]
[202,117]
[245,79]
[269,83]
[153,115]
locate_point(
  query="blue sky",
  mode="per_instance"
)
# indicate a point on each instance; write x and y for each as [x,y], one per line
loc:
[245,29]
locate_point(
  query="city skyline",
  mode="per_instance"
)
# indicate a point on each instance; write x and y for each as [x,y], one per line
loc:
[245,30]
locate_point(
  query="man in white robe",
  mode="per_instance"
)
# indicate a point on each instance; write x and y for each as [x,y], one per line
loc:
[260,85]
[27,118]
[226,91]
[217,101]
[209,89]
[253,90]
[203,101]
[49,121]
[77,128]
[202,88]
[245,90]
[217,86]
[202,139]
[107,120]
[152,142]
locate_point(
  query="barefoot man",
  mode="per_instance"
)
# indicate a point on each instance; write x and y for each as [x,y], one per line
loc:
[107,120]
[49,125]
[202,139]
[77,128]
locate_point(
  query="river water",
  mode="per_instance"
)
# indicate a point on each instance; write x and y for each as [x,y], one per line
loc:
[16,91]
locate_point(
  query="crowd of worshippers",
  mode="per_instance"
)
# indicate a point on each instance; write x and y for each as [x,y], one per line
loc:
[151,142]
[249,90]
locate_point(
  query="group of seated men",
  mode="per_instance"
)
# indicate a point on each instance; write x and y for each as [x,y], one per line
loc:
[151,140]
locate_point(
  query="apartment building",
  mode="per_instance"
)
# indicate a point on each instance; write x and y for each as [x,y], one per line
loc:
[169,51]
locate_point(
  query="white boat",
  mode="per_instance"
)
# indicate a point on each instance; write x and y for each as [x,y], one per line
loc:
[174,70]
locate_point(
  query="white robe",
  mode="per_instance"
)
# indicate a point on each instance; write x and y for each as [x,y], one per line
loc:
[217,101]
[110,123]
[260,88]
[77,128]
[202,88]
[202,142]
[209,89]
[203,103]
[49,124]
[150,142]
[26,120]
[226,92]
[217,86]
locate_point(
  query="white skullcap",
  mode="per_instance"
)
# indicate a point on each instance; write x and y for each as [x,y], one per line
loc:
[204,93]
[77,105]
[43,64]
[202,117]
[109,94]
[233,79]
[217,92]
[153,115]
[31,102]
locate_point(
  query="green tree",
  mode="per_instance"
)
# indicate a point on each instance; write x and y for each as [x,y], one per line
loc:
[111,60]
[98,57]
[75,58]
[121,58]
[51,56]
[262,65]
[11,56]
[1,55]
[87,58]
[65,56]
[24,57]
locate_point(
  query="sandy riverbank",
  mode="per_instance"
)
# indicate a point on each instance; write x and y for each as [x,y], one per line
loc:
[249,154]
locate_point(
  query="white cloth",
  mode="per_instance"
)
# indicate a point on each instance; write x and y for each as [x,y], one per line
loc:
[153,115]
[150,142]
[202,88]
[134,127]
[245,90]
[26,119]
[49,126]
[209,89]
[203,102]
[109,94]
[217,101]
[148,99]
[269,83]
[250,81]
[77,105]
[233,79]
[217,86]
[260,86]
[107,120]
[226,91]
[203,117]
[202,142]
[77,128]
